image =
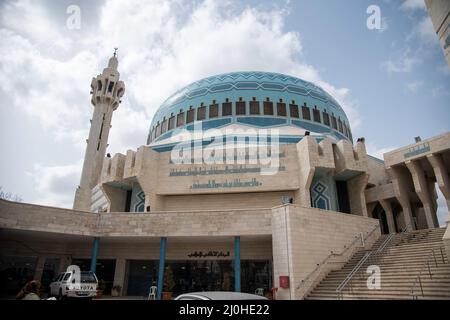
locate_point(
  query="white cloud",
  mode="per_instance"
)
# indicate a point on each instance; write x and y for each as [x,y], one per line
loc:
[414,86]
[163,45]
[55,185]
[413,5]
[425,30]
[30,20]
[440,91]
[402,65]
[377,152]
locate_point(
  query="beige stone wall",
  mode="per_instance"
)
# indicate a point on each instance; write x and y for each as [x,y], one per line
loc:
[19,216]
[225,201]
[30,217]
[377,193]
[432,145]
[281,180]
[166,189]
[377,172]
[303,237]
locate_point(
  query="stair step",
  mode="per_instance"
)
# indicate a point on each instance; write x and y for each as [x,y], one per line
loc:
[400,263]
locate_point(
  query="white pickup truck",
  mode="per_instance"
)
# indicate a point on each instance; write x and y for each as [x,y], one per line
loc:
[70,285]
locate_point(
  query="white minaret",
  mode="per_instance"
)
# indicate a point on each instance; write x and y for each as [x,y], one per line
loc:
[106,91]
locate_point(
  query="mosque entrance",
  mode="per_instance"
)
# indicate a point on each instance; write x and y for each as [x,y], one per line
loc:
[378,213]
[183,276]
[217,275]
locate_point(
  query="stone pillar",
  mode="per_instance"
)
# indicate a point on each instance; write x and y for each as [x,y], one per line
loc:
[407,213]
[402,187]
[421,188]
[39,268]
[94,255]
[119,274]
[357,199]
[389,215]
[237,264]
[442,178]
[162,260]
[281,251]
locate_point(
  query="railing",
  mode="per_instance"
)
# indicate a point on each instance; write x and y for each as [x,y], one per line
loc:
[346,248]
[371,256]
[426,266]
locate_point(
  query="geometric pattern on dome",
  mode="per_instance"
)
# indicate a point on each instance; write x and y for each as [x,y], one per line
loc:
[280,83]
[258,86]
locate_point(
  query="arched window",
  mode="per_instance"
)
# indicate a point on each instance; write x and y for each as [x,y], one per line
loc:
[190,115]
[213,110]
[180,118]
[201,112]
[333,121]
[254,106]
[227,109]
[158,130]
[268,107]
[305,112]
[281,108]
[240,107]
[171,122]
[164,125]
[316,114]
[293,110]
[326,118]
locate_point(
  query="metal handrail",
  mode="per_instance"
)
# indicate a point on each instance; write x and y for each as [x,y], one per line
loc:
[425,264]
[332,254]
[369,255]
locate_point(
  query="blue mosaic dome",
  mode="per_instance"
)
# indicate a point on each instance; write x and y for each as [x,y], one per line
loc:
[257,99]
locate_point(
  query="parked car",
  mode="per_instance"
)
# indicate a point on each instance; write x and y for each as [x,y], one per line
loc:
[219,295]
[66,286]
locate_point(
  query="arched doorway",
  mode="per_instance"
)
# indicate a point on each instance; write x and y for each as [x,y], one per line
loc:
[378,213]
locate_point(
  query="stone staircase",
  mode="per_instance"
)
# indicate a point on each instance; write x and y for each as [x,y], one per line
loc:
[400,263]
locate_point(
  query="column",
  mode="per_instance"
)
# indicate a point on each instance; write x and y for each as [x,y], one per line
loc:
[119,274]
[442,177]
[302,195]
[407,214]
[389,215]
[402,185]
[39,268]
[237,264]
[421,188]
[162,258]
[356,187]
[94,254]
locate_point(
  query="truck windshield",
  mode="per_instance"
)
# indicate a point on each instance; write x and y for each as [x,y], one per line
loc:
[88,277]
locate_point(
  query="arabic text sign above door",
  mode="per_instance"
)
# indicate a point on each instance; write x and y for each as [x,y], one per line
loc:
[209,254]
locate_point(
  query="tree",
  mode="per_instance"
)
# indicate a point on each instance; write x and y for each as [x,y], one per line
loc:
[9,196]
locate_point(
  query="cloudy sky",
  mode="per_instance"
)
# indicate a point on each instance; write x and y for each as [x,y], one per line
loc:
[393,83]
